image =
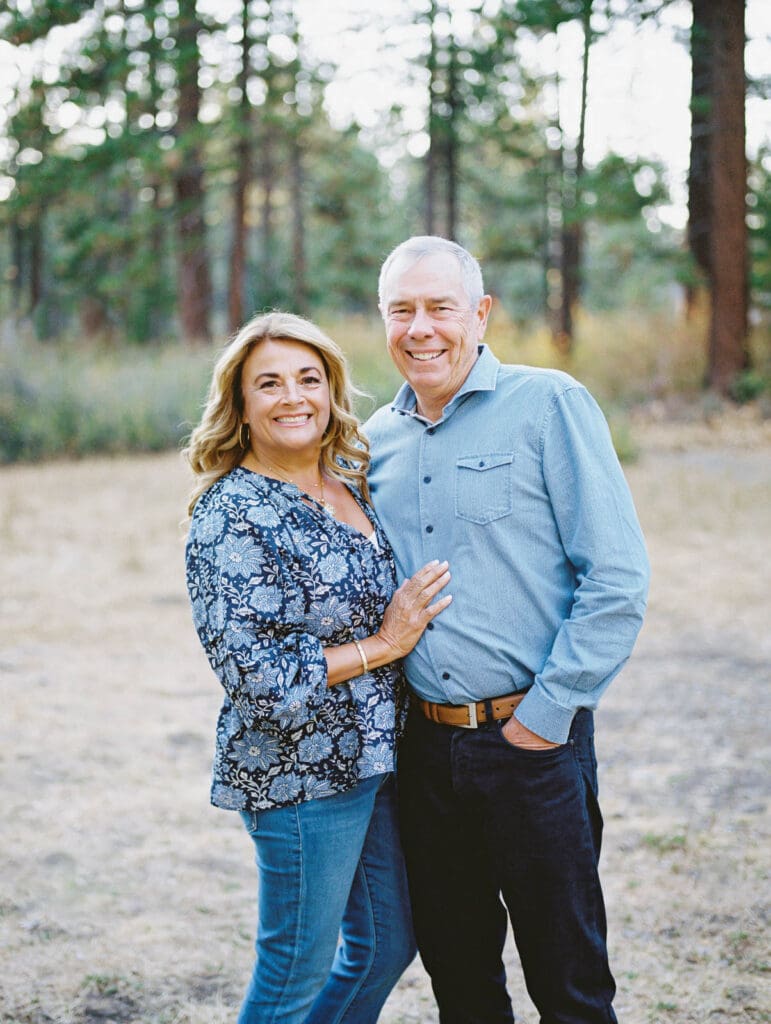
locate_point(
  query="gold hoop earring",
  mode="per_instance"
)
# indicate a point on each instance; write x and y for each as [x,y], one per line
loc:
[244,435]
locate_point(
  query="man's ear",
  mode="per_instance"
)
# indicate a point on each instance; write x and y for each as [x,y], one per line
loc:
[483,312]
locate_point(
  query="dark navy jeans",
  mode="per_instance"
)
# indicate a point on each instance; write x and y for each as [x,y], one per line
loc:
[485,824]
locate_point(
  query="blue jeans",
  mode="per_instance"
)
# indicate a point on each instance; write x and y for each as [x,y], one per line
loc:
[486,824]
[334,931]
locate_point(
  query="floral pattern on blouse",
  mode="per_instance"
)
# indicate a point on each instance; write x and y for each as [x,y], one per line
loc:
[272,581]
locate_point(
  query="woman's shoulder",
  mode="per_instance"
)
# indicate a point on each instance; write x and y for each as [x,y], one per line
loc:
[239,497]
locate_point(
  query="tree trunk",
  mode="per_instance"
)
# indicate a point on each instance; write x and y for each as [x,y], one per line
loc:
[701,116]
[16,268]
[433,130]
[572,227]
[299,277]
[193,281]
[157,250]
[728,353]
[554,217]
[36,263]
[243,177]
[267,174]
[451,142]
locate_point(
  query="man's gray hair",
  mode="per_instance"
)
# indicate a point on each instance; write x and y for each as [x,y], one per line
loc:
[427,245]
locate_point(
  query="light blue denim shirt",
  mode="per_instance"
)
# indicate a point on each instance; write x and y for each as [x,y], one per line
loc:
[519,488]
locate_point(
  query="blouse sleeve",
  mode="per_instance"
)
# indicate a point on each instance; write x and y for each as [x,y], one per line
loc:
[249,620]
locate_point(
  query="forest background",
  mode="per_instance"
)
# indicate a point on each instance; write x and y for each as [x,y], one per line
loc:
[168,167]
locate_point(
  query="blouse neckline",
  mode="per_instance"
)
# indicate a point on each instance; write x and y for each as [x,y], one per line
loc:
[272,483]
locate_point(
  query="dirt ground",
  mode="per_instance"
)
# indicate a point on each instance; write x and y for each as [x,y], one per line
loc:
[124,897]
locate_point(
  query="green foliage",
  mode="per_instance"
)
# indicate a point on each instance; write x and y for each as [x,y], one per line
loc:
[546,15]
[354,224]
[665,844]
[72,401]
[618,190]
[759,222]
[91,227]
[748,386]
[25,22]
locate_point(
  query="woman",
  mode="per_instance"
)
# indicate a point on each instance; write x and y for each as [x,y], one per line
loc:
[292,586]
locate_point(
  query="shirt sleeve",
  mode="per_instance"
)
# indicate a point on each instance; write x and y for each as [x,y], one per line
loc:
[601,536]
[249,621]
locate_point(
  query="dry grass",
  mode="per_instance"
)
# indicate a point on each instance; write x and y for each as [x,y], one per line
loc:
[124,897]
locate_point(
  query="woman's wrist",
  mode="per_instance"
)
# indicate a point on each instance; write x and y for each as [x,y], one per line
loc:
[356,658]
[380,650]
[362,655]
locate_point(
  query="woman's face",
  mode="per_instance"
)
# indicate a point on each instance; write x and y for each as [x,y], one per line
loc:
[286,399]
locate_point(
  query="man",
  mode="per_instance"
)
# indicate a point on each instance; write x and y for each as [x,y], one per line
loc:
[509,473]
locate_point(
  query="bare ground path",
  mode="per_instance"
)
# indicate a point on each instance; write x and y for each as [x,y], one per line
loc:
[124,897]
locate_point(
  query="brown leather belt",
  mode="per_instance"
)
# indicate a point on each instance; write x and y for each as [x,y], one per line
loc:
[469,716]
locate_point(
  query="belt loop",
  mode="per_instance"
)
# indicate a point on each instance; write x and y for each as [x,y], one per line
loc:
[489,713]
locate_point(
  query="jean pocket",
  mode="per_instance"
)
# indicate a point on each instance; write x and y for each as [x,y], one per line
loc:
[483,487]
[249,819]
[540,753]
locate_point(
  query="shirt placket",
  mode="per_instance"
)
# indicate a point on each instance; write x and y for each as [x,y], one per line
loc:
[433,497]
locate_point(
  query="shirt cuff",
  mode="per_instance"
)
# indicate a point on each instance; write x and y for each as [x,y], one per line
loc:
[543,717]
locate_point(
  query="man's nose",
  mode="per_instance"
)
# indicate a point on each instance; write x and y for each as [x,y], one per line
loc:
[422,325]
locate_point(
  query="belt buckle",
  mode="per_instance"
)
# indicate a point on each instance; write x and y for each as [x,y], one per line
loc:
[472,716]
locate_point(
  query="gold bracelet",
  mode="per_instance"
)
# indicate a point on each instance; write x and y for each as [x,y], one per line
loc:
[363,656]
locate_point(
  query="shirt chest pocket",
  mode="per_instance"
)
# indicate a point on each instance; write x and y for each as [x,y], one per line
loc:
[483,486]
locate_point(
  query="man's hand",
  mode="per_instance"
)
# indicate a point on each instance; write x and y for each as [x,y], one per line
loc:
[519,735]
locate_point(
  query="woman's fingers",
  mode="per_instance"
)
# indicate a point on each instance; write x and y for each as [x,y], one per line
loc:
[431,571]
[432,589]
[438,606]
[427,576]
[428,581]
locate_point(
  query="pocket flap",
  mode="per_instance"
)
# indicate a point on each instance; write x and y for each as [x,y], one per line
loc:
[488,461]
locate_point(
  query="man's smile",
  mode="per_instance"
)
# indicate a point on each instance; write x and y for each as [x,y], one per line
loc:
[424,357]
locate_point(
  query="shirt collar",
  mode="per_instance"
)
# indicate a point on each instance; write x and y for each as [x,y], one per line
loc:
[483,376]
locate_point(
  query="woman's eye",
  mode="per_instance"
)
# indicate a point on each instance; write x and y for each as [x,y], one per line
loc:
[311,380]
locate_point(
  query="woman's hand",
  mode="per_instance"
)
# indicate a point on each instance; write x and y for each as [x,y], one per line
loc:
[410,610]
[408,614]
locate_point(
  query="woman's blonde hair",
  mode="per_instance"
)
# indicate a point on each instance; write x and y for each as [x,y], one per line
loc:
[215,444]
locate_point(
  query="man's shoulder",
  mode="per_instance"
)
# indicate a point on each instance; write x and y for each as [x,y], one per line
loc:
[380,420]
[543,380]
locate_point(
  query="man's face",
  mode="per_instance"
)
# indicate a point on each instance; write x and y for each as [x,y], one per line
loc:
[432,330]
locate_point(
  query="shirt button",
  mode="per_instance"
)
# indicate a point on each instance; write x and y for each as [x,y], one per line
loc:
[481,463]
[430,431]
[429,529]
[430,625]
[445,675]
[426,479]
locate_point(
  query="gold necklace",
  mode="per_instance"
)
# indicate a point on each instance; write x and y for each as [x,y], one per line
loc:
[328,507]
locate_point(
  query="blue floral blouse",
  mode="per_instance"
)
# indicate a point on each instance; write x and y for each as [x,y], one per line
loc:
[272,581]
